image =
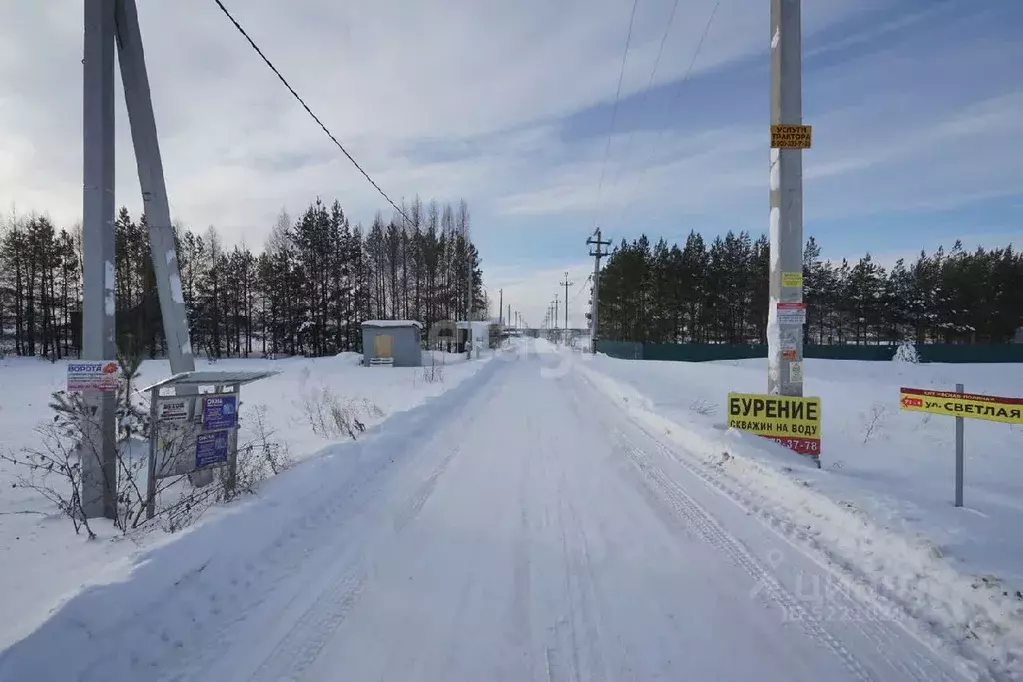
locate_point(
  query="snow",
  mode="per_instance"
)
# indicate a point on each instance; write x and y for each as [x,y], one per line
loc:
[775,170]
[392,323]
[882,503]
[773,337]
[176,293]
[109,276]
[521,526]
[52,564]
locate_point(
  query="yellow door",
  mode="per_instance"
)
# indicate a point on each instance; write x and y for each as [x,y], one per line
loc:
[383,346]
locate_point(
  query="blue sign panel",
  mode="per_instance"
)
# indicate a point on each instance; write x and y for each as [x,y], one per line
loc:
[211,448]
[219,412]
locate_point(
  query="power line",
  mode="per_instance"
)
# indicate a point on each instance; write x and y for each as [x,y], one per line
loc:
[649,85]
[678,95]
[581,289]
[614,109]
[305,106]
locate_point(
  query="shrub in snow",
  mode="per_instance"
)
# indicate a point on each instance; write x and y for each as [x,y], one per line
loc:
[259,459]
[906,353]
[876,419]
[331,417]
[702,407]
[53,468]
[432,371]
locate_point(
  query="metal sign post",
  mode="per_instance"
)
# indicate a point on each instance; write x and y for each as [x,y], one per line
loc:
[959,454]
[962,405]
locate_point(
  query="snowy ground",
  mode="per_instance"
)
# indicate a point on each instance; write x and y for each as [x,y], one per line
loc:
[540,534]
[883,502]
[897,466]
[45,563]
[556,516]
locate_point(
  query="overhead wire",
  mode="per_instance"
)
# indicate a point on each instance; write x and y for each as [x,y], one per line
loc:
[305,106]
[581,289]
[678,95]
[649,86]
[614,108]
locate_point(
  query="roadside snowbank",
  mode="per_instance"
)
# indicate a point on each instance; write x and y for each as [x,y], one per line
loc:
[45,563]
[881,507]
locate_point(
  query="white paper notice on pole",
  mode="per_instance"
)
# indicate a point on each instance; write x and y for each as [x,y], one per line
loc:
[101,375]
[791,313]
[172,410]
[795,372]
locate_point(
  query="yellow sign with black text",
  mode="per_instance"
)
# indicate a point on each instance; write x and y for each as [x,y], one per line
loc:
[968,405]
[788,136]
[792,421]
[792,279]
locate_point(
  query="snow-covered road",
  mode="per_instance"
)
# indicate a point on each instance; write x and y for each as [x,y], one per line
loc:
[518,528]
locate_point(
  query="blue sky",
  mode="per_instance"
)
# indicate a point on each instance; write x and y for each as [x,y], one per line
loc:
[917,108]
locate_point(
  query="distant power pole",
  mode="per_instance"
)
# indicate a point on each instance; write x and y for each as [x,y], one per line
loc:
[566,284]
[500,308]
[595,298]
[109,23]
[787,313]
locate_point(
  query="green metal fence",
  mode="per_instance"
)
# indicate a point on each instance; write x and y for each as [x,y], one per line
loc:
[626,350]
[703,352]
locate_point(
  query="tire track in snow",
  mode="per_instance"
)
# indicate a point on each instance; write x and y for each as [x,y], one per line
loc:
[310,633]
[700,522]
[872,609]
[868,612]
[282,560]
[415,505]
[875,600]
[519,610]
[579,630]
[844,606]
[149,642]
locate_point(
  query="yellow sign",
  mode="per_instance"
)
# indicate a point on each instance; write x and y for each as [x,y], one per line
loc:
[968,405]
[788,136]
[793,421]
[792,279]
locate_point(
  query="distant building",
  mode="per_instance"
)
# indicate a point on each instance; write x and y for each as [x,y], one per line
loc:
[479,333]
[397,343]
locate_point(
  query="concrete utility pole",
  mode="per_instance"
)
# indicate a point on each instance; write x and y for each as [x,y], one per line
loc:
[789,137]
[500,307]
[595,298]
[142,121]
[107,22]
[566,284]
[99,496]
